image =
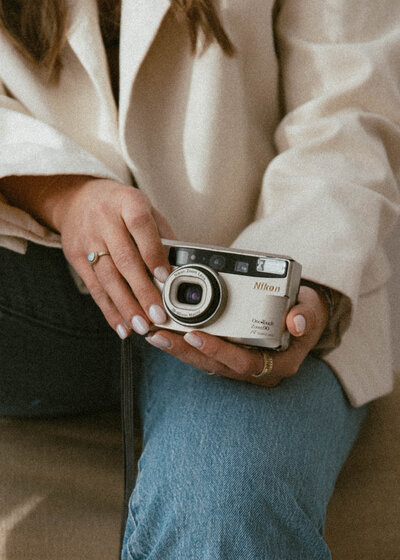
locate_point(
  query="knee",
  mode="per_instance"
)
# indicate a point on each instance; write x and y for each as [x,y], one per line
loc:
[223,514]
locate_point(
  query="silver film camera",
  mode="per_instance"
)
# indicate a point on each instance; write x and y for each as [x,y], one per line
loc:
[242,296]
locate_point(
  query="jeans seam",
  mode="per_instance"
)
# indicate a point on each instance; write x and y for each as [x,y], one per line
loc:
[147,382]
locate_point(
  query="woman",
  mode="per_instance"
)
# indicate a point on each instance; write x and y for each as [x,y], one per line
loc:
[270,126]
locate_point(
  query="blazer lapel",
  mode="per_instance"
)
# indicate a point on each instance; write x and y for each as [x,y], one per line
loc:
[84,37]
[140,21]
[139,25]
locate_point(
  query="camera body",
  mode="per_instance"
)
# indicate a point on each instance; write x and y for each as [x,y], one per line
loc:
[242,296]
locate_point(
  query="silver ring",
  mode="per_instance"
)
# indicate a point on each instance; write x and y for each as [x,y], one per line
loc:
[94,256]
[268,365]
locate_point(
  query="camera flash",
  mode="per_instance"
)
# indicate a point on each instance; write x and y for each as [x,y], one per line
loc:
[272,266]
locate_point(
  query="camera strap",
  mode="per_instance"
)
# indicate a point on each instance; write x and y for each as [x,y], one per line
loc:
[129,366]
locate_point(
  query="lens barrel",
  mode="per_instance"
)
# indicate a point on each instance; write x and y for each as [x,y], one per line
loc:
[192,295]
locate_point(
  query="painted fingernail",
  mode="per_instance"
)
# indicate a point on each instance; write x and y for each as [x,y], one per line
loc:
[122,332]
[140,325]
[193,340]
[157,314]
[300,324]
[161,273]
[159,341]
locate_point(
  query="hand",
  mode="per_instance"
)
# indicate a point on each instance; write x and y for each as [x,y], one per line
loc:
[306,322]
[103,215]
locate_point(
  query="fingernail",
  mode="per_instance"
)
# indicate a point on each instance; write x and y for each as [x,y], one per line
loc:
[157,314]
[122,332]
[161,273]
[300,324]
[193,340]
[140,325]
[159,341]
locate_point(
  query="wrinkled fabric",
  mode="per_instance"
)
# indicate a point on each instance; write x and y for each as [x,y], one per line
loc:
[292,146]
[230,470]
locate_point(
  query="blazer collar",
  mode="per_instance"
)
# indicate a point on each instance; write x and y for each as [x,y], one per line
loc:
[84,37]
[140,21]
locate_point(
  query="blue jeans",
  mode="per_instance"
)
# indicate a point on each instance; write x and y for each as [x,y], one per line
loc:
[228,471]
[233,471]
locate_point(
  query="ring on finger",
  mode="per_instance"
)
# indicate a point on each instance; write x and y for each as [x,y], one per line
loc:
[93,256]
[267,367]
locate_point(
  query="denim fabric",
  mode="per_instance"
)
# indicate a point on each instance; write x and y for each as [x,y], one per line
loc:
[228,471]
[57,353]
[234,471]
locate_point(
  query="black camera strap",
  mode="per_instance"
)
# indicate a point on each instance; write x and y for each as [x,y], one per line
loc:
[129,365]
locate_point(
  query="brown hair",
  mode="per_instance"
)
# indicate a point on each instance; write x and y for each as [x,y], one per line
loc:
[37,28]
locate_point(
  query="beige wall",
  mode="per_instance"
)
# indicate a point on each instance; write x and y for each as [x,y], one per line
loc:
[393,248]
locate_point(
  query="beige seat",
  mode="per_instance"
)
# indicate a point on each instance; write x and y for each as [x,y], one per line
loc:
[363,520]
[61,489]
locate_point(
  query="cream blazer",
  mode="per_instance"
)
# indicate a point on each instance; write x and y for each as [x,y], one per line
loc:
[292,146]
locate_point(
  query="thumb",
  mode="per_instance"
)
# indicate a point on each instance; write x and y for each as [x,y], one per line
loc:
[301,320]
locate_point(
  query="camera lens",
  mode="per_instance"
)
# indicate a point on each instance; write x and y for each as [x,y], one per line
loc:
[190,294]
[193,294]
[217,262]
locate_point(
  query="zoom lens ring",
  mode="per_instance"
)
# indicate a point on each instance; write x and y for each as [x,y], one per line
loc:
[210,310]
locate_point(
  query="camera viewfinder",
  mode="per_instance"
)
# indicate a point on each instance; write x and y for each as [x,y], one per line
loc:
[241,266]
[182,257]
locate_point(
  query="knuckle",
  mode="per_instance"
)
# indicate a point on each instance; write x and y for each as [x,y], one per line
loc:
[273,383]
[222,370]
[98,294]
[99,210]
[145,293]
[122,257]
[291,370]
[106,306]
[245,366]
[107,274]
[153,255]
[312,319]
[74,253]
[137,197]
[211,348]
[138,219]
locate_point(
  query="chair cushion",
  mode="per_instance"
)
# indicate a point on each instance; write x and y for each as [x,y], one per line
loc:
[364,512]
[61,488]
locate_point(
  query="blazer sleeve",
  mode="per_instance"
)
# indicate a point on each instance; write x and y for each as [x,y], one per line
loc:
[29,146]
[330,196]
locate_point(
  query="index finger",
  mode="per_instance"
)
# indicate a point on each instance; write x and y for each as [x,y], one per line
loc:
[140,222]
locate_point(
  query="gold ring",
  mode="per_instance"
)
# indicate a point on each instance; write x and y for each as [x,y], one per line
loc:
[268,365]
[94,256]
